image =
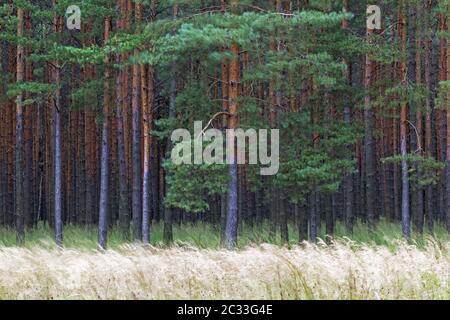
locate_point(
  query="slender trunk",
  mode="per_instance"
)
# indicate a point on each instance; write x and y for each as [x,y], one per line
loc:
[89,145]
[147,106]
[146,158]
[124,210]
[419,211]
[348,180]
[19,214]
[412,79]
[168,212]
[147,97]
[223,217]
[302,222]
[313,215]
[29,176]
[104,175]
[136,145]
[369,143]
[57,110]
[314,210]
[428,116]
[284,229]
[330,216]
[441,114]
[448,129]
[232,223]
[225,81]
[274,96]
[403,128]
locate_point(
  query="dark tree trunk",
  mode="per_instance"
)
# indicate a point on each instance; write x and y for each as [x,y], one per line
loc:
[419,210]
[232,221]
[369,143]
[223,217]
[19,208]
[330,216]
[302,222]
[403,130]
[414,133]
[57,111]
[146,183]
[147,97]
[232,206]
[168,211]
[104,164]
[136,145]
[284,230]
[124,209]
[348,179]
[447,78]
[313,215]
[428,117]
[28,143]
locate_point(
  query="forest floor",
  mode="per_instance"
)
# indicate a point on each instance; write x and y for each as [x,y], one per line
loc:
[383,267]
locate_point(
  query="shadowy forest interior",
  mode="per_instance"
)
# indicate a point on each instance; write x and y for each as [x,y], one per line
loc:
[86,116]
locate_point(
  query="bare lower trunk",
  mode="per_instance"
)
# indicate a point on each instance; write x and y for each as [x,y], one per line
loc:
[313,215]
[231,222]
[146,181]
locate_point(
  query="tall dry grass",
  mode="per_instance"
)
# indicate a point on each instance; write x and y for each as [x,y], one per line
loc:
[338,271]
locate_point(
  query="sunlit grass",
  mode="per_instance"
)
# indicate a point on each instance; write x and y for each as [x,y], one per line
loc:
[370,264]
[340,270]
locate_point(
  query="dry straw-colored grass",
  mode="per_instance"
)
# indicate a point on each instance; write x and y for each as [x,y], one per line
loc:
[338,271]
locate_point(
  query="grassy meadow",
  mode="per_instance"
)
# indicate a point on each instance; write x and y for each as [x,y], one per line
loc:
[204,236]
[196,267]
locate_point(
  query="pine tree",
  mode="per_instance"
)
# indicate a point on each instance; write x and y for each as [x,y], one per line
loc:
[136,143]
[104,175]
[57,112]
[19,199]
[403,126]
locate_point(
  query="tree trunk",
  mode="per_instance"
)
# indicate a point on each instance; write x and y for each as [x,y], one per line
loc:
[104,175]
[284,229]
[124,210]
[448,128]
[225,81]
[313,215]
[168,212]
[419,210]
[232,223]
[302,222]
[136,145]
[90,146]
[369,143]
[147,113]
[29,194]
[348,179]
[428,116]
[414,136]
[403,128]
[147,97]
[19,214]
